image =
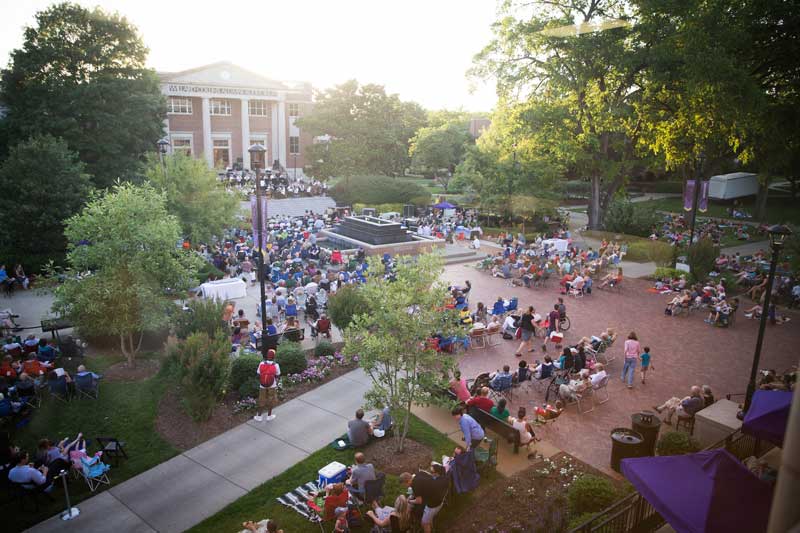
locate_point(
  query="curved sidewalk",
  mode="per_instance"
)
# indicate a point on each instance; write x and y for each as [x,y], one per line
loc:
[199,482]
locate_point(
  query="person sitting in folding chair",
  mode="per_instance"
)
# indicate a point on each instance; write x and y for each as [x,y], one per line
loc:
[501,381]
[360,473]
[86,383]
[321,327]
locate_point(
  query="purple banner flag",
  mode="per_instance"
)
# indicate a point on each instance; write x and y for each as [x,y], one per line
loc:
[258,232]
[688,195]
[702,204]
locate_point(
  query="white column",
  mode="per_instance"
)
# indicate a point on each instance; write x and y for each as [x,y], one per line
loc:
[282,133]
[208,147]
[245,133]
[274,134]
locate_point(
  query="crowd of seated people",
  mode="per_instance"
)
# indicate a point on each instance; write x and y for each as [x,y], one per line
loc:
[279,183]
[676,229]
[17,278]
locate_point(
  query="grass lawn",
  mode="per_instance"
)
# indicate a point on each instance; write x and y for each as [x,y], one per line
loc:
[125,410]
[261,502]
[779,210]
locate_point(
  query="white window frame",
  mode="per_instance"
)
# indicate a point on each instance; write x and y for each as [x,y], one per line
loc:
[182,136]
[297,152]
[222,137]
[220,107]
[265,103]
[184,102]
[293,106]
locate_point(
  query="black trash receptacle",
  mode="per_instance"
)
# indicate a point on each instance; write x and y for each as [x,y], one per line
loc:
[647,424]
[625,443]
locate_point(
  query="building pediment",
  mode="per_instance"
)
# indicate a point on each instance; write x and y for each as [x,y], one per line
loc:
[221,74]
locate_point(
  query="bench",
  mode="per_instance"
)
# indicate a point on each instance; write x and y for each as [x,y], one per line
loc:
[503,429]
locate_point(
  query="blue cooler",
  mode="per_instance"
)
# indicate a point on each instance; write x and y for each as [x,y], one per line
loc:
[333,473]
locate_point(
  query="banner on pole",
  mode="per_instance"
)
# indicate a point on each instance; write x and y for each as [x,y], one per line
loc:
[702,204]
[688,195]
[259,233]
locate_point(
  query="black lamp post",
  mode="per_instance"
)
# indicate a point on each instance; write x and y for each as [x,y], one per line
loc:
[697,174]
[260,150]
[163,147]
[777,238]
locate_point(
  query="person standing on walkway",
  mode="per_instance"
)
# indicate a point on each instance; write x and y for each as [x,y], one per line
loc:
[268,372]
[527,329]
[632,351]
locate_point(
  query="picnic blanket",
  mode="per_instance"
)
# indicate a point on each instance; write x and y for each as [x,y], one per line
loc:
[298,499]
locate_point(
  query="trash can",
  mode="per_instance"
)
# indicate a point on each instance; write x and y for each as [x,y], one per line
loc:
[647,424]
[625,443]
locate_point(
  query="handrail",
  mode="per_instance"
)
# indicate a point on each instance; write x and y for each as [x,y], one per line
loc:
[633,513]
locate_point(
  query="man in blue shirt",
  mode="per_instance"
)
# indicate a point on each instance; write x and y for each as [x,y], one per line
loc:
[473,432]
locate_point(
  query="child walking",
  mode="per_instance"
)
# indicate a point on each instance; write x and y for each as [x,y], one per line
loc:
[646,363]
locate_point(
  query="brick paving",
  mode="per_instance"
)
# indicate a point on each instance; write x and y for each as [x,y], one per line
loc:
[686,351]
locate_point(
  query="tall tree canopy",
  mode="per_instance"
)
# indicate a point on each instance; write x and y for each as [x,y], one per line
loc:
[43,184]
[80,75]
[438,149]
[127,243]
[681,80]
[368,131]
[194,195]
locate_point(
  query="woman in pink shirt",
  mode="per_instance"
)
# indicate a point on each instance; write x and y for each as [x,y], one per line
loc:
[632,351]
[459,386]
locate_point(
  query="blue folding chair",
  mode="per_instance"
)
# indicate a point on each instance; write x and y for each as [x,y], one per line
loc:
[499,308]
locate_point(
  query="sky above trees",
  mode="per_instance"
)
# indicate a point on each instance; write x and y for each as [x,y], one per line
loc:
[418,49]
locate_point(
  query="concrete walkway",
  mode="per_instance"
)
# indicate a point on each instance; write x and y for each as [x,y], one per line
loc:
[197,483]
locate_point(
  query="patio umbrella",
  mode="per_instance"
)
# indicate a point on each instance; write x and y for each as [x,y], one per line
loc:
[703,492]
[444,205]
[768,415]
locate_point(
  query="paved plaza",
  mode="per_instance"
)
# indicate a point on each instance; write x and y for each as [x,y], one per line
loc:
[686,351]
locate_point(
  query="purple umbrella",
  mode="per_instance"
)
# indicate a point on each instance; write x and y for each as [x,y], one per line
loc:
[768,415]
[444,205]
[703,492]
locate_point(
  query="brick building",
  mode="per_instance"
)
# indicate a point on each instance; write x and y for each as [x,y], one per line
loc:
[218,111]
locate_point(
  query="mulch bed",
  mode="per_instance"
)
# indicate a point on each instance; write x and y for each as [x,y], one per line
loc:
[145,368]
[527,501]
[383,455]
[178,428]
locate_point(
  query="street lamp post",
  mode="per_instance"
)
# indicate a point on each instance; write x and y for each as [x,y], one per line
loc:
[697,175]
[254,150]
[777,238]
[163,147]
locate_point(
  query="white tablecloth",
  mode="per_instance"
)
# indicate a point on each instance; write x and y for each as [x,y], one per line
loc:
[224,289]
[560,245]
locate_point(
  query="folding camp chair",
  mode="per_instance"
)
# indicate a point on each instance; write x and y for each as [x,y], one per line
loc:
[58,389]
[477,338]
[87,386]
[94,472]
[112,447]
[602,387]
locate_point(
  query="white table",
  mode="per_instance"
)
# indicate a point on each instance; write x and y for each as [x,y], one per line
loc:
[716,422]
[224,289]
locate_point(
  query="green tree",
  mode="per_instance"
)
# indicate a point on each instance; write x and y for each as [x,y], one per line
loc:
[368,130]
[123,258]
[376,190]
[390,335]
[194,195]
[43,184]
[81,75]
[439,149]
[578,91]
[345,304]
[203,365]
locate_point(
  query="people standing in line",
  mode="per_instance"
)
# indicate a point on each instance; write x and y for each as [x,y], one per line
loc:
[632,351]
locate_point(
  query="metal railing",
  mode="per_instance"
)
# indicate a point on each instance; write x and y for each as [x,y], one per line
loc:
[634,514]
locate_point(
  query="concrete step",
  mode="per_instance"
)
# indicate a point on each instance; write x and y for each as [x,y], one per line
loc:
[467,257]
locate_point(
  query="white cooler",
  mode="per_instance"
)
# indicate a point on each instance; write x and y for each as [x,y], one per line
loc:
[335,472]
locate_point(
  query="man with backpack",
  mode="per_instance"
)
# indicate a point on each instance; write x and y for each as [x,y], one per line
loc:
[268,372]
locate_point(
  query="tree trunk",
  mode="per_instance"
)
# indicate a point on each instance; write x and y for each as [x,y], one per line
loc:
[129,351]
[595,219]
[761,198]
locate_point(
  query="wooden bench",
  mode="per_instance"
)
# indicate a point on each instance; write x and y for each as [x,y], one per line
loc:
[503,429]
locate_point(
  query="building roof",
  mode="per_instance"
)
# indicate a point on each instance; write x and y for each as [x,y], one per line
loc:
[224,73]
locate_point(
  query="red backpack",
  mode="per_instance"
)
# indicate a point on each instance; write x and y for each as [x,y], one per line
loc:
[266,373]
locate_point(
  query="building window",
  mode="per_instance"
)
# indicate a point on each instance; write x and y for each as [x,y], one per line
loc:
[258,108]
[294,110]
[258,160]
[294,145]
[179,106]
[181,144]
[220,106]
[222,153]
